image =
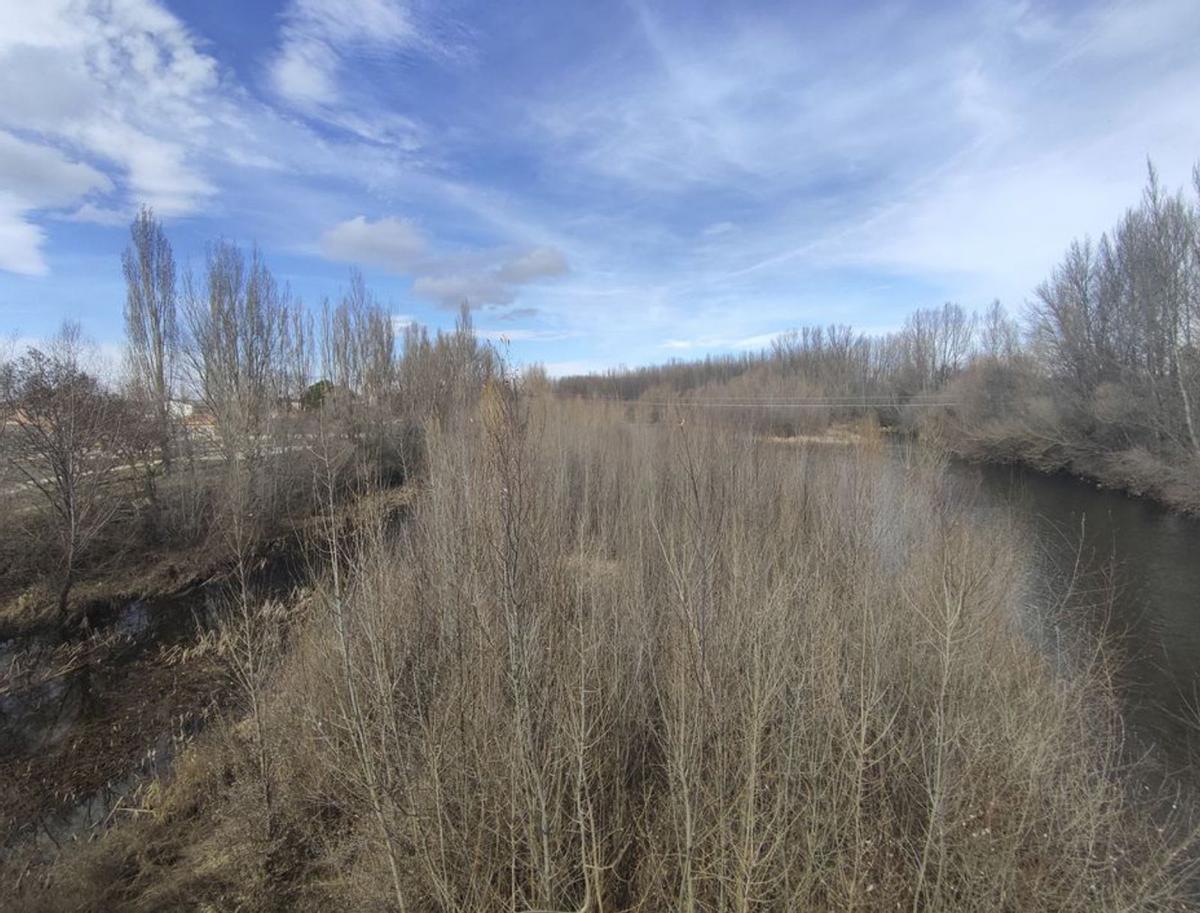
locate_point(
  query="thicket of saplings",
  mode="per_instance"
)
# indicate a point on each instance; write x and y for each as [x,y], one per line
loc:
[207,444]
[611,664]
[1100,377]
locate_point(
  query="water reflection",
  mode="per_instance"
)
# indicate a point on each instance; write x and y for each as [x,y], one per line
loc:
[1139,565]
[52,687]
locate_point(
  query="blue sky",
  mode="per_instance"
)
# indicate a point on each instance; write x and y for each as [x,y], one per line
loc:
[604,182]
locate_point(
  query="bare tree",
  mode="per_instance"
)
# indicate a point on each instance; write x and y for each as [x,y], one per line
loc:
[1187,349]
[359,344]
[1173,228]
[150,322]
[937,342]
[65,428]
[237,321]
[1123,315]
[999,334]
[7,380]
[299,352]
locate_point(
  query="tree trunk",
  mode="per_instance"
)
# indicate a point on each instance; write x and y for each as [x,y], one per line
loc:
[64,594]
[1187,406]
[164,448]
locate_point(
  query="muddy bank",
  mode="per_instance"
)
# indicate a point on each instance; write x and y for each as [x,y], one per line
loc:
[89,712]
[95,710]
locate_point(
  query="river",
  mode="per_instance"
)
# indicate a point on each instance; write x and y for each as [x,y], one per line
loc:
[1139,567]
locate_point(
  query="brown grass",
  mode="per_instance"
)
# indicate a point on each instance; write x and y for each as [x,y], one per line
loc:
[611,666]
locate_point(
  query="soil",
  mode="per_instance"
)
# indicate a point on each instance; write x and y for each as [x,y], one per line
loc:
[87,714]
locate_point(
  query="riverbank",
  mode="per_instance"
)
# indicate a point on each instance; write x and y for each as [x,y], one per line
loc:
[1135,472]
[93,711]
[88,712]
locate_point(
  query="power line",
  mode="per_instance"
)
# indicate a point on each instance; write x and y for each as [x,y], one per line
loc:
[799,403]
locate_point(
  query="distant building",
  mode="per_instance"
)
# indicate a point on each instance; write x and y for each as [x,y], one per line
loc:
[200,424]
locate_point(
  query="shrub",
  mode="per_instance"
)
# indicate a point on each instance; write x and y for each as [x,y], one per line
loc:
[608,665]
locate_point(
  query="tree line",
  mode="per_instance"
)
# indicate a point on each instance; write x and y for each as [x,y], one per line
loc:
[230,387]
[1099,373]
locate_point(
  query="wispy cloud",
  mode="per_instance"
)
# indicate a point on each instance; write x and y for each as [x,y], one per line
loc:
[659,178]
[318,37]
[323,47]
[749,104]
[956,162]
[706,343]
[37,177]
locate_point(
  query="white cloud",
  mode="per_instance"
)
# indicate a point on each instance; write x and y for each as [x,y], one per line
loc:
[518,334]
[479,278]
[747,343]
[474,290]
[40,175]
[394,244]
[304,73]
[541,262]
[20,243]
[35,177]
[99,215]
[323,43]
[487,278]
[119,84]
[123,82]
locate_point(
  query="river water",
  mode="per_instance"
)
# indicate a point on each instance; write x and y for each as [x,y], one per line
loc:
[1136,568]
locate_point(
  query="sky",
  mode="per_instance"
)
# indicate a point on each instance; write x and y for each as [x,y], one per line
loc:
[604,182]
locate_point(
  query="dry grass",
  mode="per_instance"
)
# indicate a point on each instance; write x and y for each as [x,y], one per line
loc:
[610,666]
[863,433]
